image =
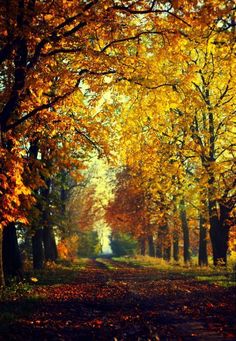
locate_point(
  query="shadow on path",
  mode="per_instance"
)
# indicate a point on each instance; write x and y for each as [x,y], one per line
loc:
[125,304]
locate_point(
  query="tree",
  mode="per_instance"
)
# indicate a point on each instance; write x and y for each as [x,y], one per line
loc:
[59,58]
[57,43]
[89,244]
[127,212]
[185,118]
[123,244]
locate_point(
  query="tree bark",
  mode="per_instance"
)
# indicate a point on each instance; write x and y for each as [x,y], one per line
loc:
[219,232]
[202,253]
[166,243]
[159,250]
[12,262]
[49,243]
[167,253]
[159,245]
[163,244]
[142,243]
[176,246]
[38,250]
[225,224]
[217,239]
[151,248]
[2,278]
[185,229]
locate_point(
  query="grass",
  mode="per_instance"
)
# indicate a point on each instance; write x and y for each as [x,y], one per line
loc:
[18,301]
[68,272]
[15,290]
[14,310]
[220,276]
[106,262]
[63,272]
[52,274]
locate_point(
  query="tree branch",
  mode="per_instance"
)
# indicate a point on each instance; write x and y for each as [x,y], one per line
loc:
[55,36]
[86,137]
[61,50]
[150,10]
[40,108]
[117,41]
[56,99]
[173,85]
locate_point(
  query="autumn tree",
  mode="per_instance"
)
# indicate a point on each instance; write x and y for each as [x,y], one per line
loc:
[62,43]
[178,111]
[57,57]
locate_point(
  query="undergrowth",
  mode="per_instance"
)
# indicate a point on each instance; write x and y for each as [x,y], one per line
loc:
[223,276]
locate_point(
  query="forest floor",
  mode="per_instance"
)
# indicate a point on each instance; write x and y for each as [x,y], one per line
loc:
[107,299]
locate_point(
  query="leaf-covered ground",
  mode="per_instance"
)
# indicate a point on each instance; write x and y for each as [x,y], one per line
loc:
[109,300]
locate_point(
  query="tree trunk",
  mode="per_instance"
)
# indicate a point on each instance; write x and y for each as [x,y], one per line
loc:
[219,232]
[167,253]
[2,278]
[38,251]
[166,243]
[202,253]
[142,243]
[176,246]
[217,237]
[159,245]
[225,223]
[185,229]
[64,193]
[219,229]
[49,243]
[162,244]
[12,262]
[151,248]
[50,249]
[159,249]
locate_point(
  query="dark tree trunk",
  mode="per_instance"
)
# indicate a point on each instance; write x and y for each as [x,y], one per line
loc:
[217,242]
[163,242]
[185,229]
[219,222]
[167,253]
[12,262]
[50,249]
[38,250]
[176,246]
[159,245]
[159,251]
[202,253]
[2,278]
[64,193]
[167,243]
[219,232]
[49,243]
[142,243]
[151,248]
[225,223]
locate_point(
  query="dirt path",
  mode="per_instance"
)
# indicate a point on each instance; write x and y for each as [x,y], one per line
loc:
[115,302]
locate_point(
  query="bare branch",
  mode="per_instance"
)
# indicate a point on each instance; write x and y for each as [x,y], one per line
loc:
[173,85]
[117,41]
[60,50]
[86,137]
[56,99]
[150,10]
[55,36]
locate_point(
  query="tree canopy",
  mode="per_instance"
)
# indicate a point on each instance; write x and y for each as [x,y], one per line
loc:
[149,85]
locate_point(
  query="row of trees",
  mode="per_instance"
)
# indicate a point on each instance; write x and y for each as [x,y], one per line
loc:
[177,144]
[59,58]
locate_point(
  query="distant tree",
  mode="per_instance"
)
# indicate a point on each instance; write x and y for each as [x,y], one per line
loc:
[89,244]
[123,244]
